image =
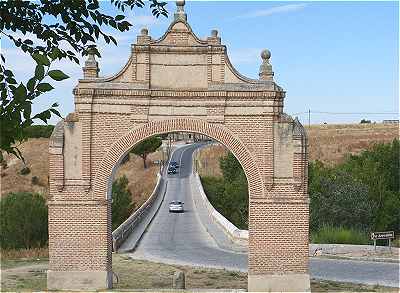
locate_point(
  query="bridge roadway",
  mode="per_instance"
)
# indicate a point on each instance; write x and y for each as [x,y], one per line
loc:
[182,239]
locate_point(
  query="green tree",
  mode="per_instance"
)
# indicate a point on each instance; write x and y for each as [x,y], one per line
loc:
[23,220]
[236,201]
[229,194]
[122,205]
[146,147]
[378,169]
[230,167]
[338,200]
[44,28]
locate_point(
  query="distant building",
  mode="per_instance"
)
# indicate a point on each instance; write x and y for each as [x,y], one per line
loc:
[394,121]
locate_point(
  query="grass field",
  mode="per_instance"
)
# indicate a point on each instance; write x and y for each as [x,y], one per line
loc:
[30,275]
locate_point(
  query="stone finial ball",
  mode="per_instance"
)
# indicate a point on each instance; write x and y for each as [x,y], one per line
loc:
[144,31]
[180,2]
[214,33]
[265,54]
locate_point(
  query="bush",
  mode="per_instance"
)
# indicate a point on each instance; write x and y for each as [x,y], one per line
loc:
[337,199]
[23,221]
[229,195]
[378,169]
[338,235]
[35,180]
[37,131]
[122,205]
[25,171]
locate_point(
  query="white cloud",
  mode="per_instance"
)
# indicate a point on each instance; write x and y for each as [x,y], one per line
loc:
[273,10]
[245,56]
[140,21]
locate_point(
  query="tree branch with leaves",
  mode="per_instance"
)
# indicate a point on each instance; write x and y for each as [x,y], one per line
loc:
[49,31]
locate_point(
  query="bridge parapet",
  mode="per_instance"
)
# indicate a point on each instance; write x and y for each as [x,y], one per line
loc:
[239,237]
[120,235]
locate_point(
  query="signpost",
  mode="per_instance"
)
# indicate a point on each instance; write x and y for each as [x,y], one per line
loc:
[382,235]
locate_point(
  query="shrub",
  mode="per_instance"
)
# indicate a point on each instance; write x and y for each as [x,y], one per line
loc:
[338,235]
[122,205]
[25,171]
[337,199]
[35,180]
[378,169]
[23,221]
[229,195]
[37,131]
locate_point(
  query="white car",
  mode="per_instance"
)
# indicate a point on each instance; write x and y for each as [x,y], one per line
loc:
[176,207]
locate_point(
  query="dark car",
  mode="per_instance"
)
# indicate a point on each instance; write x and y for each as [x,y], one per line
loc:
[171,170]
[174,164]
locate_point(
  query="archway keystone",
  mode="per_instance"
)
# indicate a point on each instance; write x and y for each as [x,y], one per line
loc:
[178,83]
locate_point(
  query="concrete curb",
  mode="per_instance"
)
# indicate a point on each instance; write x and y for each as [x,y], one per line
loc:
[338,251]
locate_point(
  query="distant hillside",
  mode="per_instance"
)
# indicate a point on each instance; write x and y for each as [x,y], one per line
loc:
[141,182]
[327,143]
[332,143]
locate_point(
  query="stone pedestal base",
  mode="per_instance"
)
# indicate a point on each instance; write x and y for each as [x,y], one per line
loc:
[79,280]
[279,283]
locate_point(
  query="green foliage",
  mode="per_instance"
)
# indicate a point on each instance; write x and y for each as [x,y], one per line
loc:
[230,167]
[75,25]
[214,188]
[337,199]
[334,235]
[363,121]
[347,201]
[146,147]
[122,205]
[23,221]
[229,195]
[37,131]
[364,183]
[378,168]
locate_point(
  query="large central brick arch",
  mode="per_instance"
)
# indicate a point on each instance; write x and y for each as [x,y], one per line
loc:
[178,83]
[217,132]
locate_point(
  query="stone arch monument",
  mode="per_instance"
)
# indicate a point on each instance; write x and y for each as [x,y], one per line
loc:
[178,83]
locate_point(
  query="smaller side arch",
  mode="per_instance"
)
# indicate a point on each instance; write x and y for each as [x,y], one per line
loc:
[217,132]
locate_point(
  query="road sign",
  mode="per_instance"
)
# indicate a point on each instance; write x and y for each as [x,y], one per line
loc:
[382,235]
[389,235]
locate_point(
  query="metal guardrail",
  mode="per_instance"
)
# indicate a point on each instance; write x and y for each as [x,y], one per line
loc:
[120,234]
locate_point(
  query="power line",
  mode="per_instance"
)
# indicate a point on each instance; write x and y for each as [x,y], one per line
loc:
[346,113]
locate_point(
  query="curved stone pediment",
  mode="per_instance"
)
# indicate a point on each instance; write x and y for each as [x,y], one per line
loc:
[178,60]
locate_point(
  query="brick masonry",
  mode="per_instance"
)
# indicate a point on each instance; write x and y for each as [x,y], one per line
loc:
[177,83]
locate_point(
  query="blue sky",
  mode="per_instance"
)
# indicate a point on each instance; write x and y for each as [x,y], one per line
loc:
[328,56]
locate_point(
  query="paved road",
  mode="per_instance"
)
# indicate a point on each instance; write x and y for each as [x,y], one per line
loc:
[182,239]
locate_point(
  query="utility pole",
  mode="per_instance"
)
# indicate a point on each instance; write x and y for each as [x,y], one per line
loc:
[309,118]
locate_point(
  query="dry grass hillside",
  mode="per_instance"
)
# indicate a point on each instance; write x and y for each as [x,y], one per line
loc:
[327,143]
[141,181]
[35,152]
[332,143]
